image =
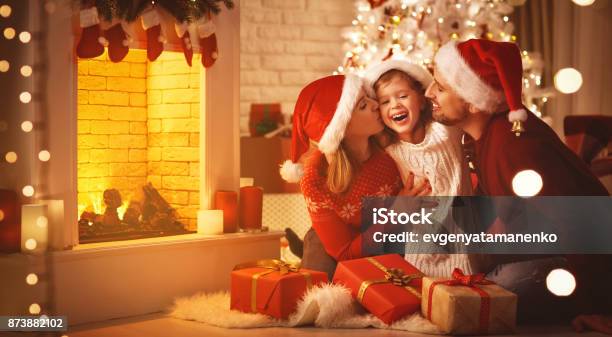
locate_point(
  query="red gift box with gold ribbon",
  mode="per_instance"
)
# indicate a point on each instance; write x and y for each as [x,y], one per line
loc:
[468,304]
[387,285]
[271,287]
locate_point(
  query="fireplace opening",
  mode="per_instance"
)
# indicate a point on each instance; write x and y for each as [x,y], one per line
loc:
[138,147]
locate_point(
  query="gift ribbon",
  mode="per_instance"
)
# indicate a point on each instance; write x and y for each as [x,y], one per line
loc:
[471,281]
[394,276]
[273,265]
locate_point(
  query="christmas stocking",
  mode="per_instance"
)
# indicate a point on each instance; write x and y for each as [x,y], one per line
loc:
[208,43]
[117,41]
[89,45]
[155,40]
[183,33]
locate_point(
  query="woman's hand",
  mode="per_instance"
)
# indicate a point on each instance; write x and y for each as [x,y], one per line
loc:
[411,189]
[599,323]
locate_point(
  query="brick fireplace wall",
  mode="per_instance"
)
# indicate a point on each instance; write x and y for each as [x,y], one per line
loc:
[173,96]
[138,122]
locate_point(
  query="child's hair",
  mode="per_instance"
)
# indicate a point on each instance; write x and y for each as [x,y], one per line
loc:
[389,136]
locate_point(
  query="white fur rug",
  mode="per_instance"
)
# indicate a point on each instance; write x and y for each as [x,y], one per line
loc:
[326,306]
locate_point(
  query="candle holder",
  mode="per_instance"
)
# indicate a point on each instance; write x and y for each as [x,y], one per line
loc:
[210,222]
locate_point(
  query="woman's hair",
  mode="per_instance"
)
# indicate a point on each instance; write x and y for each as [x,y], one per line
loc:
[389,136]
[340,168]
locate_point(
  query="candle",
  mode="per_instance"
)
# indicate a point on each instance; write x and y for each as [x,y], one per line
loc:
[246,181]
[227,201]
[34,228]
[55,214]
[251,201]
[210,222]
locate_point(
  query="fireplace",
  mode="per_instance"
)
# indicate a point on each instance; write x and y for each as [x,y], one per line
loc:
[138,146]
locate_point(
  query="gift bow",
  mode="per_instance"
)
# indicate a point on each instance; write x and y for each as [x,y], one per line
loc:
[399,278]
[395,276]
[459,278]
[273,265]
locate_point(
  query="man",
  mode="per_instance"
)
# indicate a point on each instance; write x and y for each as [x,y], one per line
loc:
[477,88]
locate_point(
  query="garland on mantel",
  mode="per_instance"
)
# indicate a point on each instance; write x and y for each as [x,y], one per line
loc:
[193,21]
[181,10]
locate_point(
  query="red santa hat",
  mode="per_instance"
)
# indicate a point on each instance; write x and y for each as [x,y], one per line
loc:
[485,73]
[322,112]
[415,71]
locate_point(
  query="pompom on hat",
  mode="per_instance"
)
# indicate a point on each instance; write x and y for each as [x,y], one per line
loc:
[415,71]
[487,74]
[322,112]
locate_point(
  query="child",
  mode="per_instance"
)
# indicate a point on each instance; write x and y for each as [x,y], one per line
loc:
[423,149]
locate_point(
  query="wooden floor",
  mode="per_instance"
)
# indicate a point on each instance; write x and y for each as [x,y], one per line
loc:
[158,325]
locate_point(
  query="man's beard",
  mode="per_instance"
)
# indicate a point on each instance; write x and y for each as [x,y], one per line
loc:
[439,117]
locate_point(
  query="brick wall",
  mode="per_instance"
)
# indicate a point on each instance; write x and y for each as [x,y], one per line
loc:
[138,121]
[286,44]
[112,130]
[173,97]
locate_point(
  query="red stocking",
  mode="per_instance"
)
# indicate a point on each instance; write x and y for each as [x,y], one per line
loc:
[183,33]
[89,45]
[208,43]
[155,41]
[117,43]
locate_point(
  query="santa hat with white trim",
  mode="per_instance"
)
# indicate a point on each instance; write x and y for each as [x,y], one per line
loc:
[322,112]
[415,71]
[487,74]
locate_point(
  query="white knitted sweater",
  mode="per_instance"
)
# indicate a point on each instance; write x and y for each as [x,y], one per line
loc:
[439,158]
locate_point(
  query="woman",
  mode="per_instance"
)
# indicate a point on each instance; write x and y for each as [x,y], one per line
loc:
[335,115]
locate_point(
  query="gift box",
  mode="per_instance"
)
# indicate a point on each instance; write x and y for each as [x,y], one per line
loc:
[387,285]
[271,287]
[264,118]
[468,304]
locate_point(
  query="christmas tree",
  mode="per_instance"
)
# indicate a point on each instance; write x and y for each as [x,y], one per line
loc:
[414,30]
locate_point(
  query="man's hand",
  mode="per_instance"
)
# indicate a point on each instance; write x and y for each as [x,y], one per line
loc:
[598,323]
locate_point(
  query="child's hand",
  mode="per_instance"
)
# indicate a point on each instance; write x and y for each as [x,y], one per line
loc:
[411,189]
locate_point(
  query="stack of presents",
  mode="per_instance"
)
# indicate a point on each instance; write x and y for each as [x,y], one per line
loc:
[387,286]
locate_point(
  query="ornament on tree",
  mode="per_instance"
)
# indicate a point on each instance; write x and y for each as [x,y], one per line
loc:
[208,41]
[117,41]
[182,31]
[151,23]
[89,45]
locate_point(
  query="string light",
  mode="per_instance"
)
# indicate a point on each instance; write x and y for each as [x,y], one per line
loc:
[9,33]
[26,71]
[42,221]
[527,183]
[25,97]
[44,155]
[568,80]
[28,191]
[30,244]
[5,11]
[4,66]
[32,279]
[27,126]
[583,2]
[34,309]
[25,37]
[1,215]
[11,157]
[560,282]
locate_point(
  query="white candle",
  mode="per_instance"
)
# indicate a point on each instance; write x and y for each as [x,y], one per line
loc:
[210,222]
[34,228]
[57,232]
[246,181]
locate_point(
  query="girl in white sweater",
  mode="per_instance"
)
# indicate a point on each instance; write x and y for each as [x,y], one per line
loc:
[425,151]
